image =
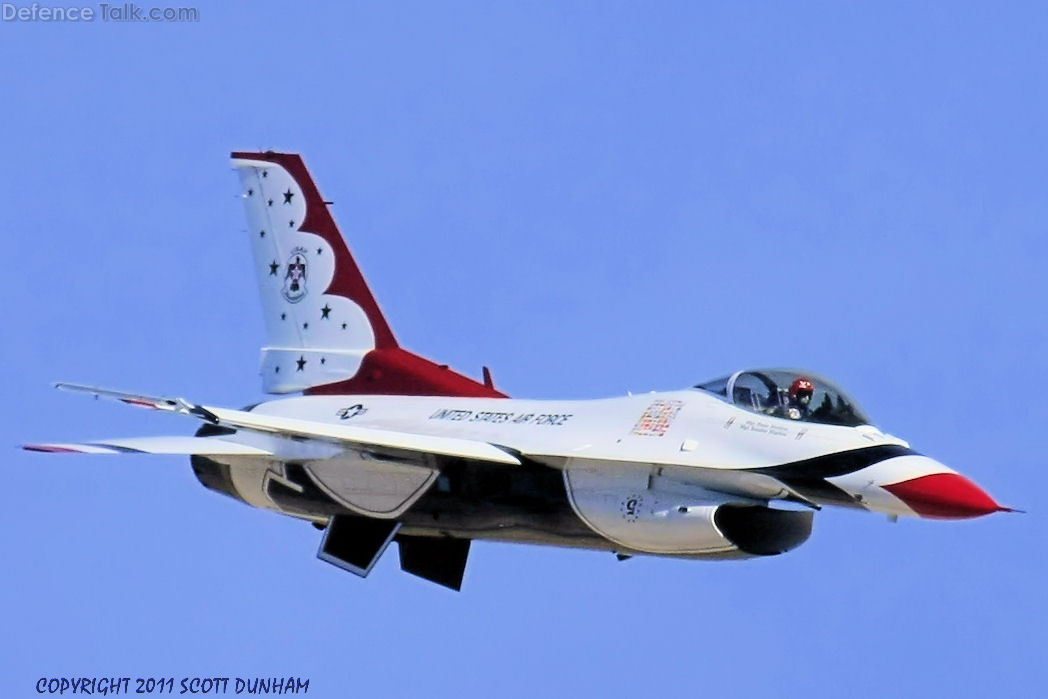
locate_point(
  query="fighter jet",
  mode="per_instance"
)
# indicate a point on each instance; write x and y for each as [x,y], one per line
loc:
[378,444]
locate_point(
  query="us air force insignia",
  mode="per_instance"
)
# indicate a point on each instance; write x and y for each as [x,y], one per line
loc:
[351,412]
[295,280]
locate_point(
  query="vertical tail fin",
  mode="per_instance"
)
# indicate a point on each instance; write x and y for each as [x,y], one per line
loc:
[325,332]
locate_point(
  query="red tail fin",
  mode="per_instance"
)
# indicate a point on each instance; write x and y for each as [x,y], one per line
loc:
[398,372]
[325,331]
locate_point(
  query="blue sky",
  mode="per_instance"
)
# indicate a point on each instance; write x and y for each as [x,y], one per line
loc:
[591,198]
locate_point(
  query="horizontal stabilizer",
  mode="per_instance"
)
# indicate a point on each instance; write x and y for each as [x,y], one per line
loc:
[179,445]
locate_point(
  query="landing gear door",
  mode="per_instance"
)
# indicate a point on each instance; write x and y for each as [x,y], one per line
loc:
[370,485]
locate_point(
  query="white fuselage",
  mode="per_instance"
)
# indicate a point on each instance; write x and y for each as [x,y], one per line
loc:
[704,432]
[629,464]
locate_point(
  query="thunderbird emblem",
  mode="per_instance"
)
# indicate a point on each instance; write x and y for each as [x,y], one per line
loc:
[295,279]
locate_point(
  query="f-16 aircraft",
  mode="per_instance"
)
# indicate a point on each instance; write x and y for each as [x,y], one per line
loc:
[381,445]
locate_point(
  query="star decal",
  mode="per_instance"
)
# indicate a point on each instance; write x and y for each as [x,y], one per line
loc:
[262,234]
[269,202]
[290,224]
[318,251]
[273,267]
[301,363]
[305,326]
[265,173]
[325,311]
[323,360]
[250,192]
[287,195]
[277,370]
[343,326]
[283,316]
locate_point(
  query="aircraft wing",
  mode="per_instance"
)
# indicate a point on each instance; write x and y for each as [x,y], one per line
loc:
[340,435]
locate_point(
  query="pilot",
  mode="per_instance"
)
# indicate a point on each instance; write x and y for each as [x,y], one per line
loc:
[799,398]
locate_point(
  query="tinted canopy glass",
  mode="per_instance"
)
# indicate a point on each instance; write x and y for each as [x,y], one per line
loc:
[791,394]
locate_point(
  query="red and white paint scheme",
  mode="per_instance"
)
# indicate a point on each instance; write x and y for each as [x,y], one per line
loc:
[383,445]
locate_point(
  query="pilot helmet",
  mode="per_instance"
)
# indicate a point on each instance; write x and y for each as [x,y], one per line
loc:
[801,390]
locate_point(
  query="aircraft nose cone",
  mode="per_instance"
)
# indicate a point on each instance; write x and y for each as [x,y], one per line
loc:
[945,496]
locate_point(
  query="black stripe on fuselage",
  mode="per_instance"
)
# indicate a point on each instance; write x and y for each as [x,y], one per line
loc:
[808,477]
[837,464]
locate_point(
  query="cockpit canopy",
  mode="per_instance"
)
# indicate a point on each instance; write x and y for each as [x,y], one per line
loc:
[789,393]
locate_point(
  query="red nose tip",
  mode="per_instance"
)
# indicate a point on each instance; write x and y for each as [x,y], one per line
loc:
[945,495]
